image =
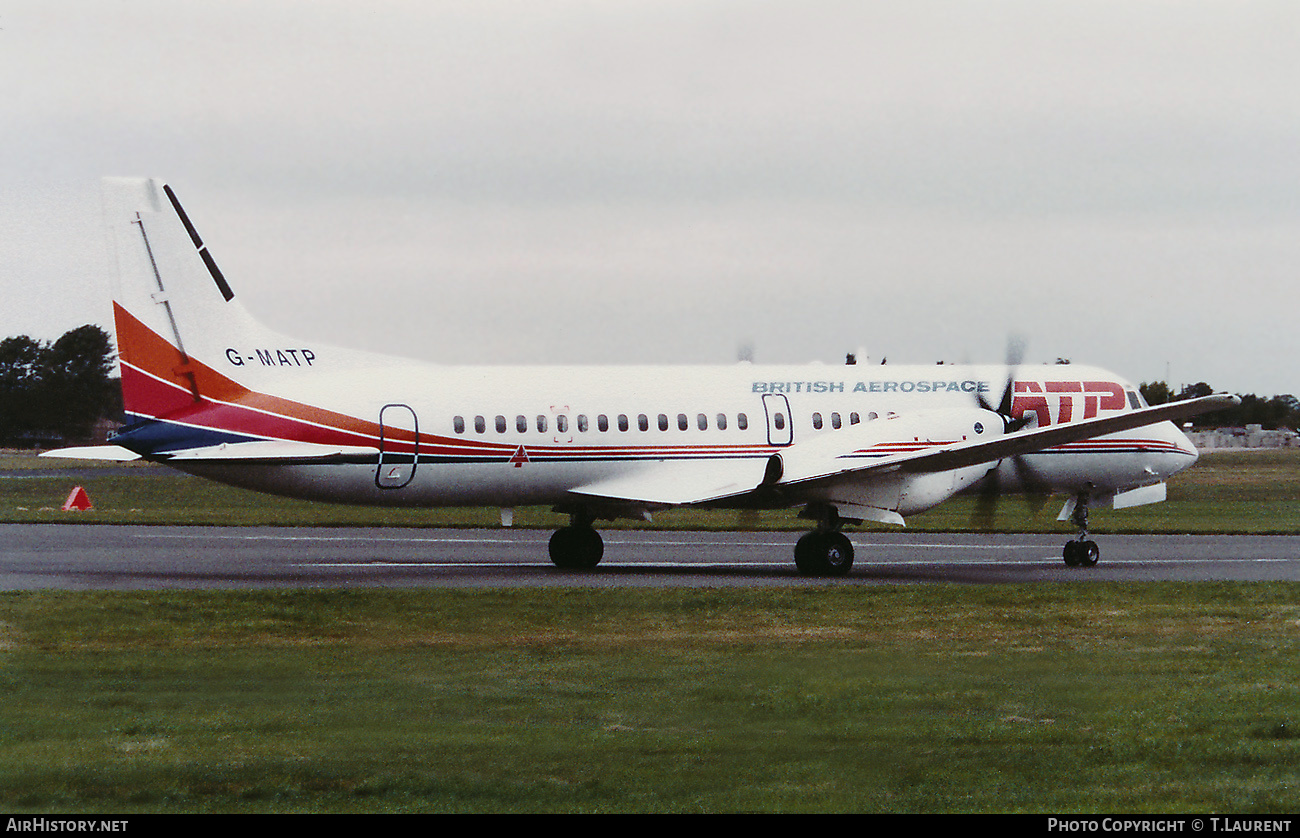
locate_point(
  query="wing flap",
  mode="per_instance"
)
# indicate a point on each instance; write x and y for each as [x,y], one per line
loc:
[666,484]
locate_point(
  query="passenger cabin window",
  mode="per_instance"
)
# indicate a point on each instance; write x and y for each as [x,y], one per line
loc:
[835,421]
[582,422]
[541,424]
[722,421]
[501,424]
[702,422]
[643,422]
[602,423]
[458,424]
[521,424]
[682,424]
[854,418]
[663,422]
[742,421]
[562,424]
[816,417]
[622,421]
[480,424]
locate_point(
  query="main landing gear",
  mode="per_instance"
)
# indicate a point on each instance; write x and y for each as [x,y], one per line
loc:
[577,546]
[1082,551]
[825,551]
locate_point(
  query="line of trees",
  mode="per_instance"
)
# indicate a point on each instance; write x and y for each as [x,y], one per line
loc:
[53,393]
[1271,412]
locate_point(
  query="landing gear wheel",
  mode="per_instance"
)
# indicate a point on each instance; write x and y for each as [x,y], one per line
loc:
[576,548]
[823,554]
[1081,553]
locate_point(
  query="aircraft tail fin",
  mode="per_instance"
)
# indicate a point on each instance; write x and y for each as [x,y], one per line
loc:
[171,304]
[197,369]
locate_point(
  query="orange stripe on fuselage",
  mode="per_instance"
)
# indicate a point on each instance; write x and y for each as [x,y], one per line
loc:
[146,351]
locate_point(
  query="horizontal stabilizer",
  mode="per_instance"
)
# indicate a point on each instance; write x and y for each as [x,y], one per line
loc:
[109,453]
[270,449]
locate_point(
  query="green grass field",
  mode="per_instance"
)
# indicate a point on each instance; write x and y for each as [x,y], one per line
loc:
[1061,698]
[1050,698]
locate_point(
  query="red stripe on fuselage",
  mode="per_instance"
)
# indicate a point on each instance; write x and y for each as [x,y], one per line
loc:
[158,382]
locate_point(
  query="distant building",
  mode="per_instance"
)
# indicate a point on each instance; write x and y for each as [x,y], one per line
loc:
[1251,436]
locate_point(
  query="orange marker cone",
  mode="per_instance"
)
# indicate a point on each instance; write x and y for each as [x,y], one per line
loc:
[77,501]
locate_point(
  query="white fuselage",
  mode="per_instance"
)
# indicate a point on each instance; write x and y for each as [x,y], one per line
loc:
[512,436]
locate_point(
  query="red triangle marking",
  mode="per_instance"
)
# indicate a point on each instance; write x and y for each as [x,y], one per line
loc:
[77,501]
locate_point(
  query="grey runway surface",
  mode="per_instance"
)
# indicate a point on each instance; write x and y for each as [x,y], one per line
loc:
[91,557]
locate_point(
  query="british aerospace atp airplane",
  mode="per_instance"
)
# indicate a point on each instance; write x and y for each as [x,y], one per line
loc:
[210,391]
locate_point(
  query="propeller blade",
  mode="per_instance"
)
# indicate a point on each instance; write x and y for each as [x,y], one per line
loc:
[986,506]
[986,503]
[991,490]
[1015,355]
[1015,350]
[1036,492]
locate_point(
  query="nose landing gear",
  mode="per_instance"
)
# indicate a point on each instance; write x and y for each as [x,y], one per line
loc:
[1082,551]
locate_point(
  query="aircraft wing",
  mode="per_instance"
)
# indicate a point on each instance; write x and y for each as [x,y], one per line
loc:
[707,481]
[961,455]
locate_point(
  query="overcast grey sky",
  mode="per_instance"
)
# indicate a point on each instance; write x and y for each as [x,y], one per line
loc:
[1117,181]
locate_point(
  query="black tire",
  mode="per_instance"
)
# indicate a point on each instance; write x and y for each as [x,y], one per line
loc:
[576,548]
[805,553]
[823,554]
[1081,553]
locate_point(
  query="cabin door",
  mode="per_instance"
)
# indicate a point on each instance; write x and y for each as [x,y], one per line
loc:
[780,430]
[399,439]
